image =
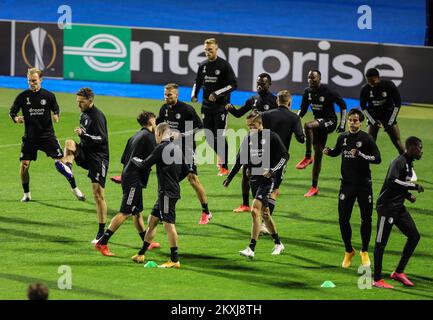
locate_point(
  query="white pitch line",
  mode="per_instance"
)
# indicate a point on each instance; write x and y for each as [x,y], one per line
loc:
[109,134]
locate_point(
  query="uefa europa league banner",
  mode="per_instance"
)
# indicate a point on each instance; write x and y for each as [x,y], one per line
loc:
[138,55]
[172,56]
[38,45]
[160,56]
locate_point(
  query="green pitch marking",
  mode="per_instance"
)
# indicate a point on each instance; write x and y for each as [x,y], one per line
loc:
[328,284]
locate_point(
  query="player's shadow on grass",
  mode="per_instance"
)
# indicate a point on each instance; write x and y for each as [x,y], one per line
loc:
[310,244]
[322,195]
[303,186]
[425,235]
[228,269]
[417,253]
[229,265]
[52,285]
[257,280]
[35,236]
[43,250]
[319,265]
[130,246]
[235,268]
[110,212]
[98,261]
[299,217]
[65,208]
[195,256]
[238,231]
[291,177]
[424,279]
[339,243]
[422,181]
[196,210]
[426,212]
[31,223]
[225,195]
[332,241]
[286,264]
[326,178]
[313,262]
[214,236]
[412,292]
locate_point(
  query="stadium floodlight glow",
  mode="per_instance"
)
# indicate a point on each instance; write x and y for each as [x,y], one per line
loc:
[89,51]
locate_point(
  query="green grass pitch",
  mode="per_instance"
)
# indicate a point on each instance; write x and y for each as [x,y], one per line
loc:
[55,229]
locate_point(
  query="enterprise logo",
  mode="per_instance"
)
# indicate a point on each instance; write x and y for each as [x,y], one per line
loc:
[90,51]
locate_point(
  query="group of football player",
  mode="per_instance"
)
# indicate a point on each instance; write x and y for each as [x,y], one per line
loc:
[166,140]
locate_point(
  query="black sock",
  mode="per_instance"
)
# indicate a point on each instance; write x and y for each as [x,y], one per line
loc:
[69,165]
[205,208]
[252,244]
[144,248]
[72,183]
[246,199]
[314,183]
[174,256]
[26,187]
[276,238]
[271,205]
[105,237]
[142,235]
[101,229]
[308,154]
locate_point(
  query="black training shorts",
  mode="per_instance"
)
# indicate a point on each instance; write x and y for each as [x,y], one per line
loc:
[97,167]
[51,146]
[132,200]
